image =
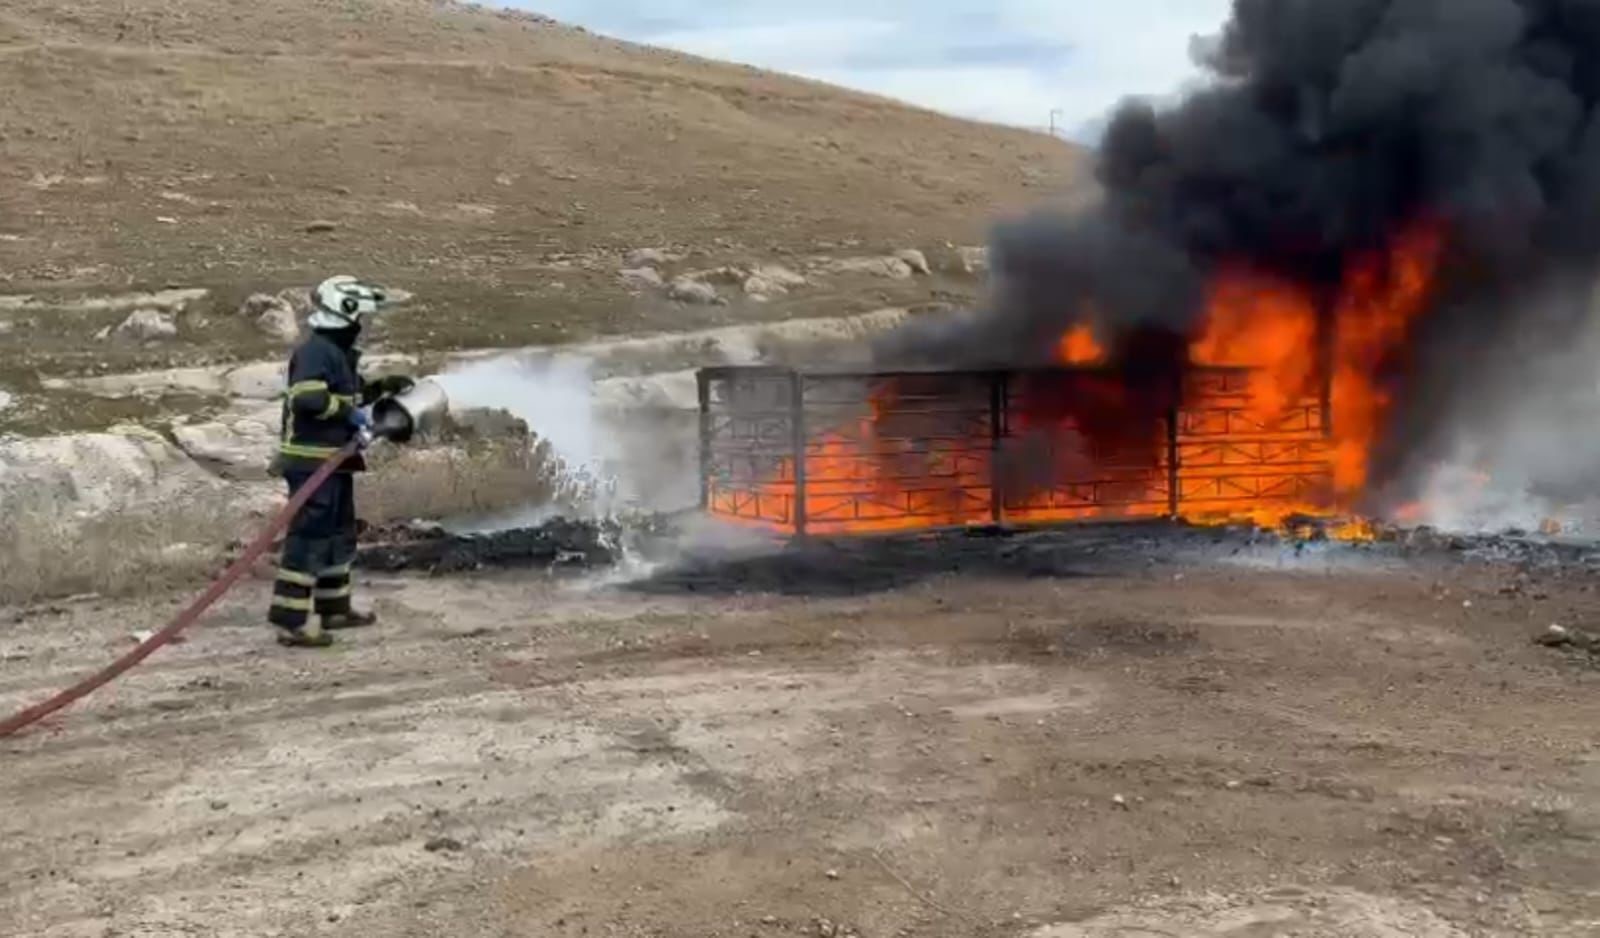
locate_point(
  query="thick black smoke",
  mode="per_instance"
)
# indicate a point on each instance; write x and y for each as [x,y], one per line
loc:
[1327,126]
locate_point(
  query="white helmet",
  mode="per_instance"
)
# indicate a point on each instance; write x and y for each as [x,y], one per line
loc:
[340,302]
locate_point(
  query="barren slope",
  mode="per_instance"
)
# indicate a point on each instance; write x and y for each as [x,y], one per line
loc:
[461,152]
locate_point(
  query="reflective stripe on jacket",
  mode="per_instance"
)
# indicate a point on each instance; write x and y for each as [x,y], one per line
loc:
[324,387]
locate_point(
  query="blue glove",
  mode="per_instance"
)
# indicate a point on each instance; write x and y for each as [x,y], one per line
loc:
[360,419]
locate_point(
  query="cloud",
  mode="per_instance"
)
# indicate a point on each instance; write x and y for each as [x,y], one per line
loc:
[1009,61]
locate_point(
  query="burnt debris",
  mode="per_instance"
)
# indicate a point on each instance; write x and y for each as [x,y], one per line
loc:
[431,549]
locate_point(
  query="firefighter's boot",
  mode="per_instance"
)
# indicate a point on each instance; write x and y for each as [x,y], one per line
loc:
[310,635]
[344,621]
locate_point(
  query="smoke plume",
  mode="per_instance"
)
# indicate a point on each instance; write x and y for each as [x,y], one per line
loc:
[1325,127]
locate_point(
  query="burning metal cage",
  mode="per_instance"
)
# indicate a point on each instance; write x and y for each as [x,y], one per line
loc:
[819,452]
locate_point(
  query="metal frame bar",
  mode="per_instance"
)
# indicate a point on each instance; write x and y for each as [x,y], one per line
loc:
[762,427]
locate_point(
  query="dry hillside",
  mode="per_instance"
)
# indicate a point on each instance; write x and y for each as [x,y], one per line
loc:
[464,153]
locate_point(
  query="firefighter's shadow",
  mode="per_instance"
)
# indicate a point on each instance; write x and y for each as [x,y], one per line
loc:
[856,567]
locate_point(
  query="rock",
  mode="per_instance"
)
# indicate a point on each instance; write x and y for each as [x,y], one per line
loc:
[1120,802]
[5,400]
[832,874]
[88,474]
[641,278]
[645,257]
[1556,636]
[694,292]
[258,380]
[891,267]
[443,845]
[1234,784]
[280,325]
[147,325]
[320,226]
[258,303]
[915,259]
[243,444]
[761,288]
[973,260]
[218,804]
[782,276]
[298,298]
[273,315]
[719,276]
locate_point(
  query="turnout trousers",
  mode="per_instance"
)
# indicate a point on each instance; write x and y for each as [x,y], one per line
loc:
[314,571]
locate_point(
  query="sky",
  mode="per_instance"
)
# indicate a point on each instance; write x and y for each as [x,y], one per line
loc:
[1007,61]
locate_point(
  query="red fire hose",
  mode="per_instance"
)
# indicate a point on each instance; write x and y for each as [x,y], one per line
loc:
[188,616]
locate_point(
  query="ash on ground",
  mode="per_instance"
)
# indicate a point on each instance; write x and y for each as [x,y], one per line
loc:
[686,553]
[431,549]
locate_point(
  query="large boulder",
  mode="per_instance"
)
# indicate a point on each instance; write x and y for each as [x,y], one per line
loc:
[770,280]
[88,474]
[718,276]
[694,292]
[915,259]
[274,316]
[147,325]
[779,274]
[279,325]
[299,300]
[641,278]
[762,289]
[892,268]
[239,444]
[645,257]
[258,303]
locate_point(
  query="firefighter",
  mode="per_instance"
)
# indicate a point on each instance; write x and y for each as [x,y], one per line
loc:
[324,408]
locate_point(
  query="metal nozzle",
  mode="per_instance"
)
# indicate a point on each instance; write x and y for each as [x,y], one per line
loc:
[403,416]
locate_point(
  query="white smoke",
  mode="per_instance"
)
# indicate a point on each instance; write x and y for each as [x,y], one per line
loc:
[1535,464]
[639,454]
[552,396]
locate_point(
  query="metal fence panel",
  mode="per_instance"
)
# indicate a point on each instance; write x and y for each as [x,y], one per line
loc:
[833,453]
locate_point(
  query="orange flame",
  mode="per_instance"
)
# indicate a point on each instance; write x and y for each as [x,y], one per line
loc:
[1382,297]
[1271,326]
[1266,324]
[1252,320]
[1080,347]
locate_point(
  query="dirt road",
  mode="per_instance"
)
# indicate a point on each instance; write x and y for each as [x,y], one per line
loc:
[1168,749]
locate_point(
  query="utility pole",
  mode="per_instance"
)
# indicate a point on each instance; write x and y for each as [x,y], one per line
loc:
[1055,115]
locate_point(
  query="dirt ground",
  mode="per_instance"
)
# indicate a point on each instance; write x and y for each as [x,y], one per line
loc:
[1061,745]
